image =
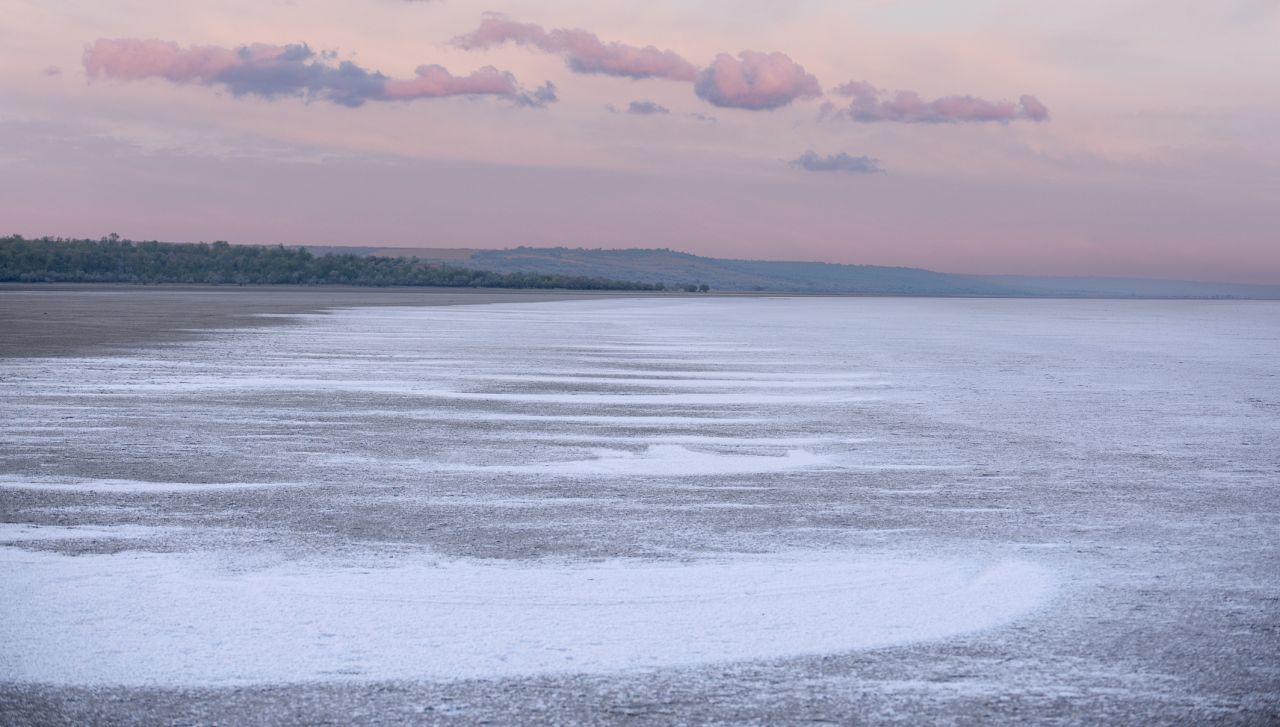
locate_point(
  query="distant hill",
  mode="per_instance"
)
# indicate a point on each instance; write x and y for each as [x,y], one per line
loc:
[114,260]
[672,268]
[1095,287]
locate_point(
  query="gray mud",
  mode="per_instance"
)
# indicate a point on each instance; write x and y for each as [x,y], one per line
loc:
[73,320]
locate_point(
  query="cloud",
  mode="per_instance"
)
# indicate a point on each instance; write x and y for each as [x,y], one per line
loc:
[755,81]
[752,80]
[130,59]
[870,104]
[272,71]
[433,81]
[842,162]
[538,97]
[646,108]
[583,51]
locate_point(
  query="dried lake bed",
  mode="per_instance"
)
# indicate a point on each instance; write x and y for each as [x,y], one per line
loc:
[673,509]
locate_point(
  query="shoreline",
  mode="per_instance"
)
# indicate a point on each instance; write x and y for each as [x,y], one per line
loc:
[73,319]
[76,319]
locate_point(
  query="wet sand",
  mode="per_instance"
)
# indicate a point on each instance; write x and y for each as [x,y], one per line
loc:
[77,320]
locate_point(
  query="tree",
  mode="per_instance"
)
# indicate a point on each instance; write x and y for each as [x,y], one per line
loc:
[115,260]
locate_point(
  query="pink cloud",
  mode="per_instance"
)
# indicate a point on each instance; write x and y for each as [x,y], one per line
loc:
[496,30]
[270,71]
[583,51]
[752,80]
[755,81]
[869,104]
[1033,109]
[434,81]
[133,59]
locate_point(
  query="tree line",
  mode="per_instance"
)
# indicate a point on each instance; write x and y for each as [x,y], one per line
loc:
[115,260]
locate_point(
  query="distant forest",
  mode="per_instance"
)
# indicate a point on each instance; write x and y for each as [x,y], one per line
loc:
[115,260]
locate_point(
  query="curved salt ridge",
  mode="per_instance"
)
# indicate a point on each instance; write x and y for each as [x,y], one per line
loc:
[570,399]
[667,459]
[15,482]
[694,439]
[576,374]
[634,420]
[743,395]
[777,382]
[166,619]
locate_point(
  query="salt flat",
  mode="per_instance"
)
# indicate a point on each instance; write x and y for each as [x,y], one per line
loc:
[159,619]
[913,508]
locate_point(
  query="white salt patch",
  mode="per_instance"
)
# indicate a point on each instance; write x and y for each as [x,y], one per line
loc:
[719,360]
[54,484]
[424,389]
[641,346]
[620,420]
[16,532]
[669,459]
[870,466]
[640,374]
[783,381]
[694,439]
[71,429]
[570,399]
[180,620]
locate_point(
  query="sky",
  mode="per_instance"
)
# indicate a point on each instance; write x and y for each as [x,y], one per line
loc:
[1098,137]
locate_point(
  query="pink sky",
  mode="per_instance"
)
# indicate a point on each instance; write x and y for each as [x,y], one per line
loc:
[1120,137]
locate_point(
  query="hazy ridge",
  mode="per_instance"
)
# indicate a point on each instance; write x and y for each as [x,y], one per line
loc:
[671,267]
